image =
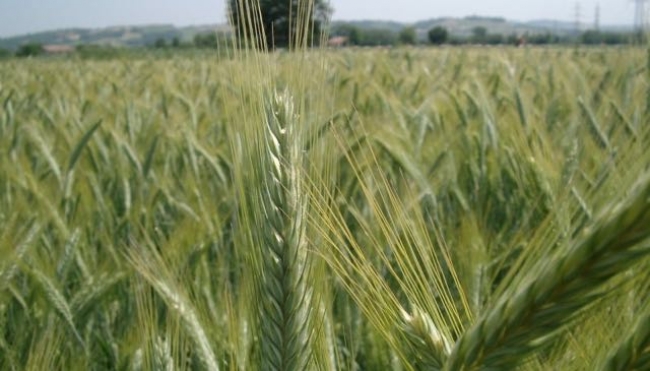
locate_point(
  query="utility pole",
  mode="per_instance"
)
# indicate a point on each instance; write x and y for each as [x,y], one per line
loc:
[639,15]
[578,15]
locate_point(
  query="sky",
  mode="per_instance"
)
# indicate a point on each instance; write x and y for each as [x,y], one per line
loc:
[25,16]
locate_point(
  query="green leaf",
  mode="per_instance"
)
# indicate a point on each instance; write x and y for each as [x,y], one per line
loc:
[74,157]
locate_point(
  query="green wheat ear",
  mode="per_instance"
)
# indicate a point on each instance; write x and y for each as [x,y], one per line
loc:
[557,288]
[430,346]
[273,210]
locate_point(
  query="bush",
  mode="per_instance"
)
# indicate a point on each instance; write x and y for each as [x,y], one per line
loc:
[30,50]
[4,53]
[438,35]
[160,43]
[408,36]
[378,37]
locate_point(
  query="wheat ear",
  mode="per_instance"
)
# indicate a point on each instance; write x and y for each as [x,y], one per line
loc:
[284,301]
[554,291]
[429,345]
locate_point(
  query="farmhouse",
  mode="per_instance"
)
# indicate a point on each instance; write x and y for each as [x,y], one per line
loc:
[58,49]
[337,42]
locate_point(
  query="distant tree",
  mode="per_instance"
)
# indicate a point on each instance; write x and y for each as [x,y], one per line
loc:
[355,37]
[614,38]
[479,34]
[639,37]
[30,50]
[101,52]
[494,39]
[279,20]
[455,40]
[207,40]
[542,39]
[160,43]
[4,53]
[590,37]
[176,42]
[438,35]
[408,36]
[378,37]
[353,33]
[513,39]
[593,37]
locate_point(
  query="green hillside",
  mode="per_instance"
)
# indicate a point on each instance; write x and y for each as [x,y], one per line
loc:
[115,36]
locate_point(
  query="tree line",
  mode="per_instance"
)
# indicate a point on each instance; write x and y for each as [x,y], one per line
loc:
[201,41]
[291,22]
[356,36]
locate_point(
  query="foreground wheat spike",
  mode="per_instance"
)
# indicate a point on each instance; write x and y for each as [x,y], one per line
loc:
[284,301]
[554,291]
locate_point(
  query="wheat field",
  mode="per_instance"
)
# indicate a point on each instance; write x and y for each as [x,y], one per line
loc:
[403,209]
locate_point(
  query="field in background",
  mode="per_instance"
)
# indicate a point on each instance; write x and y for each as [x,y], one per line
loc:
[460,206]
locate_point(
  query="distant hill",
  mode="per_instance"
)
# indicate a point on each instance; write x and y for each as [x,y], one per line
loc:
[115,36]
[147,35]
[462,27]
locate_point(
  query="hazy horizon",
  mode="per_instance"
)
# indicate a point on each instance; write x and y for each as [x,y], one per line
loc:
[30,16]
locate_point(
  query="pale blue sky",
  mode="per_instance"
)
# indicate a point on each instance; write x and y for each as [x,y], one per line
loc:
[23,16]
